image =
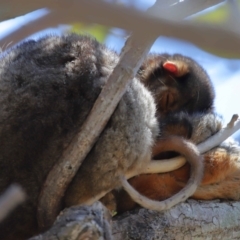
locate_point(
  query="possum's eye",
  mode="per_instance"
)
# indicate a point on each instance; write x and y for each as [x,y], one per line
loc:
[177,68]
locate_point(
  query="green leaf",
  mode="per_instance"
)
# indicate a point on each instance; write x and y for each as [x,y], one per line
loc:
[98,31]
[217,16]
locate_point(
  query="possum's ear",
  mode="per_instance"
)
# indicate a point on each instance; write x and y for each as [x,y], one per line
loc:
[177,68]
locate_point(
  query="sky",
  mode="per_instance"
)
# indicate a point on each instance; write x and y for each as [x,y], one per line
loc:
[225,73]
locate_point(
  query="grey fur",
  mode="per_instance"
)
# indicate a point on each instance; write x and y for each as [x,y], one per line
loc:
[47,88]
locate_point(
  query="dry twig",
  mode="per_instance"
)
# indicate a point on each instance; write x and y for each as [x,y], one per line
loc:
[219,137]
[10,199]
[177,162]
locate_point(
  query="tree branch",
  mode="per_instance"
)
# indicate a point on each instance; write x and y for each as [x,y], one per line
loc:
[80,223]
[204,36]
[222,135]
[14,8]
[178,10]
[189,220]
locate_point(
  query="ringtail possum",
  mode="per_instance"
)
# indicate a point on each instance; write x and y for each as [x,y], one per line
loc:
[47,89]
[194,120]
[220,176]
[181,89]
[179,86]
[177,83]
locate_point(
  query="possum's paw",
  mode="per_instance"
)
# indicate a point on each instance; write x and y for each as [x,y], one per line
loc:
[204,126]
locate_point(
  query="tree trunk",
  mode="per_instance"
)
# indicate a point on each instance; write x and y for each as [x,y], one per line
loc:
[199,220]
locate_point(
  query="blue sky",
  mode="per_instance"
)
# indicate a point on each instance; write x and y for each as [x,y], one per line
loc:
[225,73]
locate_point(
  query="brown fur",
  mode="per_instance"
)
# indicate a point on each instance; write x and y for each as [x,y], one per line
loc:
[182,97]
[187,86]
[185,103]
[190,92]
[47,89]
[221,179]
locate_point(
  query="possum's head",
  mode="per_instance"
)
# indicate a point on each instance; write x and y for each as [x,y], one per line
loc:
[178,83]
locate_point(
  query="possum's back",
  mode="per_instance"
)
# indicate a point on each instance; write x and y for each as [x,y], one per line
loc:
[47,88]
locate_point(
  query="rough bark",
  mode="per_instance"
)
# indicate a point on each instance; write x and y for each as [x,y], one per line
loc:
[190,220]
[80,223]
